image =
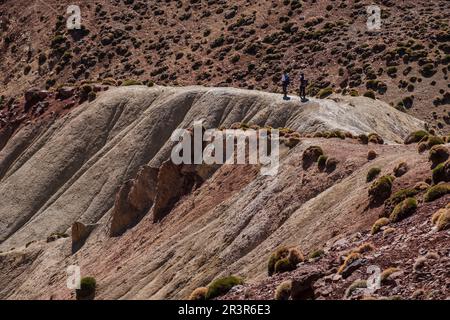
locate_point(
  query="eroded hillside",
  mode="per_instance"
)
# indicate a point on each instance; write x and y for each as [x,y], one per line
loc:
[237,43]
[172,229]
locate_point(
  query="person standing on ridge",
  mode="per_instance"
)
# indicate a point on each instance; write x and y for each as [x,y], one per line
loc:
[285,81]
[303,85]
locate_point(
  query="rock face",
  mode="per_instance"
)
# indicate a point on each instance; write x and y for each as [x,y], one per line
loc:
[133,200]
[80,233]
[191,224]
[54,182]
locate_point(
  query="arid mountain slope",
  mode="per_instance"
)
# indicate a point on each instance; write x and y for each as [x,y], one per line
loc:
[71,170]
[241,43]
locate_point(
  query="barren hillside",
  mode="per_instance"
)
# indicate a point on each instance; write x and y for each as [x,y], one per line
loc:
[155,237]
[87,179]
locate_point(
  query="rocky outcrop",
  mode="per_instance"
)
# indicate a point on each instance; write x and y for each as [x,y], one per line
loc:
[133,200]
[175,181]
[80,233]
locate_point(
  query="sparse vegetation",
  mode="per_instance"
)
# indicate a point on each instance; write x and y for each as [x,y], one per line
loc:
[371,155]
[380,223]
[387,273]
[372,174]
[416,136]
[403,210]
[400,169]
[375,138]
[284,260]
[324,93]
[381,189]
[436,192]
[438,154]
[131,82]
[87,289]
[352,257]
[321,162]
[441,219]
[357,284]
[283,291]
[311,155]
[316,254]
[221,286]
[199,294]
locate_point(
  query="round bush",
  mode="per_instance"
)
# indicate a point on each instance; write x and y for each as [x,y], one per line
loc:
[371,155]
[438,154]
[199,294]
[381,189]
[283,291]
[221,286]
[436,192]
[372,174]
[403,210]
[322,161]
[87,289]
[375,138]
[379,224]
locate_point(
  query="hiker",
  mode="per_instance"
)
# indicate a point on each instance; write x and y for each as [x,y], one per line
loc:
[303,85]
[285,81]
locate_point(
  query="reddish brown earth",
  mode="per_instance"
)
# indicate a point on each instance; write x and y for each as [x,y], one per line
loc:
[85,176]
[238,44]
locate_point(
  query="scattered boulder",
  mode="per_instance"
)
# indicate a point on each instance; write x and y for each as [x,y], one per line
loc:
[303,282]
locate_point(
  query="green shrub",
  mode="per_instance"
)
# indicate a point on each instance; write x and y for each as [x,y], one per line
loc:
[363,138]
[433,141]
[87,289]
[400,169]
[331,164]
[436,192]
[443,220]
[438,174]
[369,94]
[357,284]
[352,257]
[283,265]
[284,259]
[387,273]
[311,155]
[403,210]
[392,71]
[438,154]
[416,136]
[324,93]
[92,96]
[199,294]
[220,287]
[381,189]
[401,195]
[283,291]
[372,174]
[321,162]
[375,138]
[316,254]
[379,224]
[371,155]
[427,70]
